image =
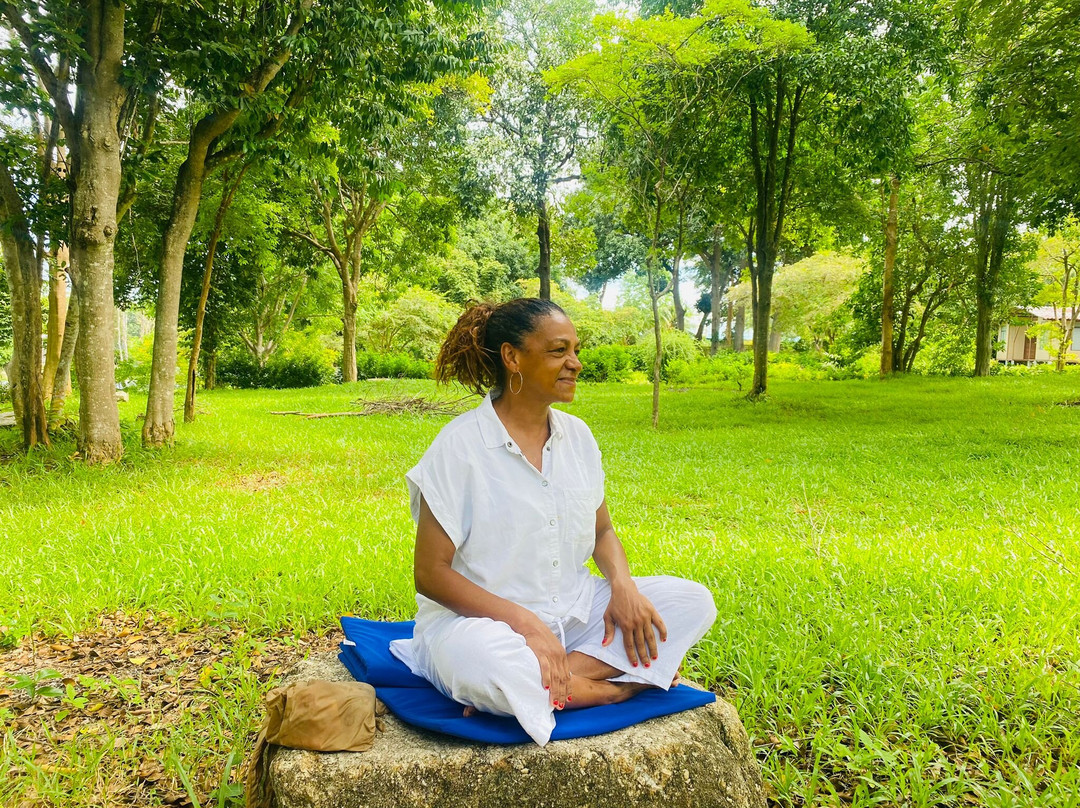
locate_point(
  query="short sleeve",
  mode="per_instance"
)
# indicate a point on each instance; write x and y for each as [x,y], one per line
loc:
[442,479]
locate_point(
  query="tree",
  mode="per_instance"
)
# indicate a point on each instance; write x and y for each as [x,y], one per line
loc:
[540,129]
[1016,137]
[24,279]
[88,38]
[811,297]
[274,64]
[1057,266]
[651,78]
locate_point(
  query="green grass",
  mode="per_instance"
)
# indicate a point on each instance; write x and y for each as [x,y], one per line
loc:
[895,564]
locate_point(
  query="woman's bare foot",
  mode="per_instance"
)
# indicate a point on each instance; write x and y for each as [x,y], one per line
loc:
[469,712]
[594,692]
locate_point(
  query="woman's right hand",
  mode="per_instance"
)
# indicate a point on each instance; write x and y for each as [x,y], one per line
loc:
[554,664]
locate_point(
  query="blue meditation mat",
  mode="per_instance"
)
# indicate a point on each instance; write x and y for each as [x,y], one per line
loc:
[366,654]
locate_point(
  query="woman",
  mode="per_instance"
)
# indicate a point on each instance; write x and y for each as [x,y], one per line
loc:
[509,505]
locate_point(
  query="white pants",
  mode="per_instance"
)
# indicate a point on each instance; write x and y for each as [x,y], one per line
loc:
[484,663]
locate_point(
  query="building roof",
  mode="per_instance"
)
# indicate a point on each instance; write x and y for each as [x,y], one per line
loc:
[1041,312]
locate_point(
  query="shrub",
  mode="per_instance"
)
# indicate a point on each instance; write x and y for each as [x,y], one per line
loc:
[297,370]
[392,366]
[676,345]
[414,324]
[606,363]
[302,361]
[239,370]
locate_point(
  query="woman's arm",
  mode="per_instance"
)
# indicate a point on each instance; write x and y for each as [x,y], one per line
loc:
[436,579]
[629,609]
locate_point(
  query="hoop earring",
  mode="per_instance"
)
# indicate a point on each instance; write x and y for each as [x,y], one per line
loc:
[511,385]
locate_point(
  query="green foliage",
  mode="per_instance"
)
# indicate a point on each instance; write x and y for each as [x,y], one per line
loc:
[606,363]
[302,361]
[392,366]
[677,346]
[415,324]
[134,371]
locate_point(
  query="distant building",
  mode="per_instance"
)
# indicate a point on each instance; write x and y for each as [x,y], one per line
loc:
[1019,347]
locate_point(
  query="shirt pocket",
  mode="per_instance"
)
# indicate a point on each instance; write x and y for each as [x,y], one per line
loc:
[580,516]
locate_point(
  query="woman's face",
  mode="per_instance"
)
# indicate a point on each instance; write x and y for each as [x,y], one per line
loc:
[548,362]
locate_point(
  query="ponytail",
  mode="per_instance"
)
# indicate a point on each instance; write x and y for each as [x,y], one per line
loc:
[472,352]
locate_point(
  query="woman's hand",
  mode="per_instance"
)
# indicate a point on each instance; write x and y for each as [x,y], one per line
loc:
[554,665]
[635,615]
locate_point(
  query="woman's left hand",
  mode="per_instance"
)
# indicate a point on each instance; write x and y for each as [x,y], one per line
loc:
[639,621]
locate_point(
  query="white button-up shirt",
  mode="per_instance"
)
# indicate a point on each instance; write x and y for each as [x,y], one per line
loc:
[520,533]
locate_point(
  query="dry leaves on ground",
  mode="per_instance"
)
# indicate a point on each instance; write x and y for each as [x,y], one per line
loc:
[97,714]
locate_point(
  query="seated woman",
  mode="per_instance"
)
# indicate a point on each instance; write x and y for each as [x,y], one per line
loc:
[509,505]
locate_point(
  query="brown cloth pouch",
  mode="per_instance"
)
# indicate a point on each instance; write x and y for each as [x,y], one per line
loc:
[319,716]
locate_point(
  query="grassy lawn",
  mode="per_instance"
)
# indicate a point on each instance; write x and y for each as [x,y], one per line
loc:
[895,567]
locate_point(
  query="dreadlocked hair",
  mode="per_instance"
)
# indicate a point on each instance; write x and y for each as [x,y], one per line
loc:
[472,352]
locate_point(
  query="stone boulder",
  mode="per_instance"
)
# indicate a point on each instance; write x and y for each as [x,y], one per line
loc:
[700,758]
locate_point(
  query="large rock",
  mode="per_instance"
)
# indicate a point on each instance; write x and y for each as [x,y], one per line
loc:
[699,758]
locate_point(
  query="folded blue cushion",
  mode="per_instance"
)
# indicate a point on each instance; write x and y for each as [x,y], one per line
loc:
[368,642]
[366,655]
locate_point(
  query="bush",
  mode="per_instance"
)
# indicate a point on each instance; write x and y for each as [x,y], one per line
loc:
[302,361]
[606,363]
[392,366]
[676,345]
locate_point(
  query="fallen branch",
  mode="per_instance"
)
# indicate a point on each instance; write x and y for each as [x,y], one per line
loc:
[416,405]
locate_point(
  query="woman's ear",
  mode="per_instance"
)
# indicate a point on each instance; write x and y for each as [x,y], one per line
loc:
[509,357]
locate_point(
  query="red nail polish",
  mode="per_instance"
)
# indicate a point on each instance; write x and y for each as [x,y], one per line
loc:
[546,687]
[635,664]
[655,657]
[646,664]
[569,698]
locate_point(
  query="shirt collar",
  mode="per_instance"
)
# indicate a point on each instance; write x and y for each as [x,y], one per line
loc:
[494,433]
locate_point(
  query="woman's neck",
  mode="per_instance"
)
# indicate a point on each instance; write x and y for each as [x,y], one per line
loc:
[523,419]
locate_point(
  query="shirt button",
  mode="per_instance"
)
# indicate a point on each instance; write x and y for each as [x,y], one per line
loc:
[509,444]
[555,563]
[551,522]
[544,483]
[555,599]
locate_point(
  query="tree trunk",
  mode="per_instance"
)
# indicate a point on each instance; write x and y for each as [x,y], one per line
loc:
[210,370]
[773,180]
[701,327]
[729,337]
[761,310]
[348,332]
[228,193]
[774,337]
[676,295]
[740,328]
[543,235]
[159,426]
[659,360]
[62,382]
[24,280]
[122,335]
[994,225]
[887,313]
[715,295]
[96,173]
[58,307]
